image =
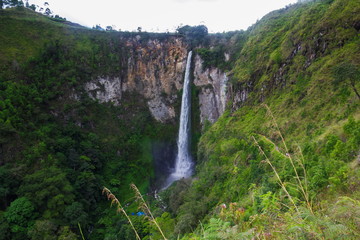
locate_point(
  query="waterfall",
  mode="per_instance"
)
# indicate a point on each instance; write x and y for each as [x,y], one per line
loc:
[183,163]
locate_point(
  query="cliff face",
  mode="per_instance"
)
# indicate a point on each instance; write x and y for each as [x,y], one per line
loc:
[212,96]
[155,69]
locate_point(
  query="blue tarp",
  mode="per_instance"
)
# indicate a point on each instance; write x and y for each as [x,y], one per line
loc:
[138,214]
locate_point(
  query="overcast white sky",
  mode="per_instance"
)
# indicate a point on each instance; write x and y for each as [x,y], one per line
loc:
[162,15]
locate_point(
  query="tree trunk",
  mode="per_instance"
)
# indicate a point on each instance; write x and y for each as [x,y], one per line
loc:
[355,90]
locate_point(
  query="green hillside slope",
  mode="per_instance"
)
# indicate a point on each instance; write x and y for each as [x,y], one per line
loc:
[24,33]
[284,163]
[59,147]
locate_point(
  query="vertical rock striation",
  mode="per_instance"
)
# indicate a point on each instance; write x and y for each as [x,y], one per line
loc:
[154,69]
[212,96]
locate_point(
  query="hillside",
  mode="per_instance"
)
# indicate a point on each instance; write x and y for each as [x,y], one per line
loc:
[293,115]
[60,145]
[277,156]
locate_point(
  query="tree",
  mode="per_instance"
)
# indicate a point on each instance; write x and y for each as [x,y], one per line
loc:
[98,27]
[348,73]
[75,214]
[65,233]
[49,230]
[4,229]
[32,7]
[196,35]
[49,189]
[8,182]
[196,31]
[48,12]
[19,215]
[12,3]
[43,229]
[4,3]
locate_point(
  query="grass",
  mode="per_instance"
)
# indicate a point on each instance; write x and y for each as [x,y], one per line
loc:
[274,217]
[120,208]
[81,233]
[142,205]
[24,32]
[311,107]
[277,175]
[146,209]
[289,156]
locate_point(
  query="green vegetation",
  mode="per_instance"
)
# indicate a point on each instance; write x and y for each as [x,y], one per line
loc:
[284,164]
[58,146]
[212,58]
[295,177]
[195,36]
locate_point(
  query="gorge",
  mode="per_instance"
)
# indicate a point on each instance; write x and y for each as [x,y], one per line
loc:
[273,141]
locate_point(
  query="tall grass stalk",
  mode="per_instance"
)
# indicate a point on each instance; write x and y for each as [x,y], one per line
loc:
[146,208]
[302,164]
[82,235]
[119,209]
[288,155]
[202,229]
[276,174]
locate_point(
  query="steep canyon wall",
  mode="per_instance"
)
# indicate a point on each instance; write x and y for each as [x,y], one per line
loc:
[155,69]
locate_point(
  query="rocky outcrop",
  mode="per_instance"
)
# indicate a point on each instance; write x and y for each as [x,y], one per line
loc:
[105,90]
[160,110]
[212,96]
[154,69]
[239,93]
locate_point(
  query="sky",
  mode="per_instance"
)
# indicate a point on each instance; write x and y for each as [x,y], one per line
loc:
[164,15]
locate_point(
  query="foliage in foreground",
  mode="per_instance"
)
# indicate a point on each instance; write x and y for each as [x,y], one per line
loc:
[276,208]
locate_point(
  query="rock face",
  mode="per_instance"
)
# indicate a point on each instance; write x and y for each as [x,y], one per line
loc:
[239,93]
[105,90]
[154,69]
[212,96]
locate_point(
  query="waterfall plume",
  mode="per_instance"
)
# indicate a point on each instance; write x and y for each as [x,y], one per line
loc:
[183,163]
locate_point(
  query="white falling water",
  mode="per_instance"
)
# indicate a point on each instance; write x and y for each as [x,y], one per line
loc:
[183,164]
